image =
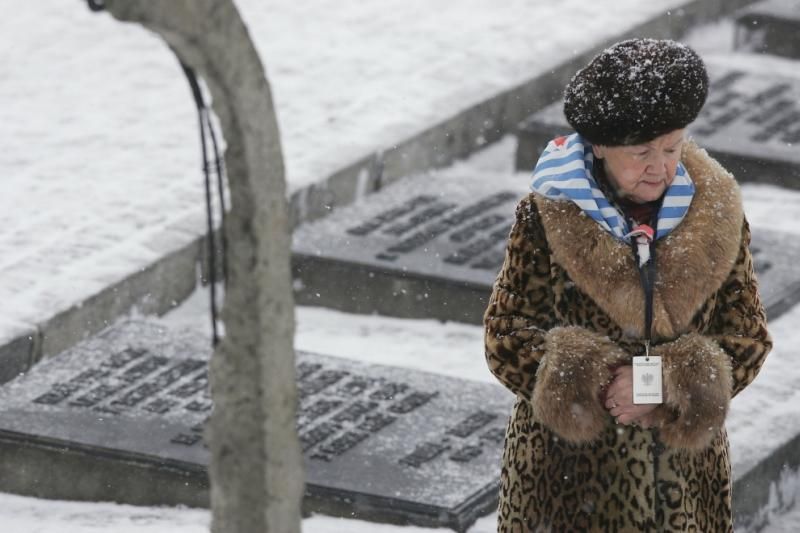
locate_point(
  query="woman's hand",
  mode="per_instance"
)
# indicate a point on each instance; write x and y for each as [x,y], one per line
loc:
[619,400]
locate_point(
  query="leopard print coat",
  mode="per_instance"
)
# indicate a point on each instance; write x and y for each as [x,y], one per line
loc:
[567,305]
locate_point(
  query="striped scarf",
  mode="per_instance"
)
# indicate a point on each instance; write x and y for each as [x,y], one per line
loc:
[564,172]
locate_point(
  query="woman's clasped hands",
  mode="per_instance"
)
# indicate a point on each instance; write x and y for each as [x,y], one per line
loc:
[618,399]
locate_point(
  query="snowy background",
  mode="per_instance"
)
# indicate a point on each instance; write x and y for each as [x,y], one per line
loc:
[100,158]
[761,417]
[100,152]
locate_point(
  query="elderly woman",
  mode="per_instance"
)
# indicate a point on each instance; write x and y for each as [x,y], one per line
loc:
[626,314]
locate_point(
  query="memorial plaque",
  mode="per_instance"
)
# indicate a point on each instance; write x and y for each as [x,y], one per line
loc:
[408,253]
[750,124]
[775,257]
[426,247]
[121,417]
[769,27]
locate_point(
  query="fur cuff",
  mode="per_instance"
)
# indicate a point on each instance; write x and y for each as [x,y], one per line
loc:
[576,366]
[697,381]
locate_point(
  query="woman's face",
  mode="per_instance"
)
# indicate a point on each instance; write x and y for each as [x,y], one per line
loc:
[642,172]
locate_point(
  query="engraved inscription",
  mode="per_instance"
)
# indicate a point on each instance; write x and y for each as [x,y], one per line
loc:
[412,401]
[114,386]
[725,81]
[320,408]
[354,411]
[146,367]
[771,113]
[430,213]
[340,445]
[471,424]
[200,426]
[161,382]
[305,369]
[97,394]
[468,253]
[486,223]
[199,406]
[319,382]
[425,452]
[160,405]
[61,391]
[355,386]
[318,434]
[376,422]
[186,390]
[391,215]
[186,439]
[474,448]
[341,419]
[495,435]
[121,359]
[470,448]
[337,411]
[492,260]
[389,391]
[454,222]
[467,453]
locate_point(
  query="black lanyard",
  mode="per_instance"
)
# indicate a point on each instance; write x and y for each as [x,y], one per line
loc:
[647,275]
[206,125]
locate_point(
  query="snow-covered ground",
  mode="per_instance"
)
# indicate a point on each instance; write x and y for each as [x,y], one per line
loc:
[348,77]
[100,164]
[100,154]
[761,417]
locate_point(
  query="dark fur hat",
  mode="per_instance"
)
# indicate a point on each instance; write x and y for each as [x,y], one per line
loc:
[635,91]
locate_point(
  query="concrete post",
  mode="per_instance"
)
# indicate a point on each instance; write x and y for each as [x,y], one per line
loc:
[256,466]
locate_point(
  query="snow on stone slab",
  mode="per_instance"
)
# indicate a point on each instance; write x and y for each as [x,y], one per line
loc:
[771,207]
[752,423]
[451,349]
[348,77]
[100,145]
[457,349]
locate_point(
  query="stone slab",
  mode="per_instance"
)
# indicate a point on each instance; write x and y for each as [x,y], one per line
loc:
[429,248]
[750,123]
[120,417]
[411,252]
[155,289]
[466,132]
[17,349]
[760,486]
[435,146]
[769,27]
[775,257]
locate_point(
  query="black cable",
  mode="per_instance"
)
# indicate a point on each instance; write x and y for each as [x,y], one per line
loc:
[202,113]
[221,193]
[212,249]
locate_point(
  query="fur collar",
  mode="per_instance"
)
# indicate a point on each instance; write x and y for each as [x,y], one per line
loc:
[693,260]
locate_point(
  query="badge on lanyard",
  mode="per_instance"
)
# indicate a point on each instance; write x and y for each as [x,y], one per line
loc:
[647,379]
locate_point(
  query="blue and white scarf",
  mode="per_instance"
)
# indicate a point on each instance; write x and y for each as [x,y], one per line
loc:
[564,172]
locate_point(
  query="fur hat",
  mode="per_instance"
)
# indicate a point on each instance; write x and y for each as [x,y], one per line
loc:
[635,91]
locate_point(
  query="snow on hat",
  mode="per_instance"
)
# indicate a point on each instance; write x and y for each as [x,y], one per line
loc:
[635,91]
